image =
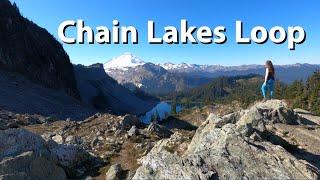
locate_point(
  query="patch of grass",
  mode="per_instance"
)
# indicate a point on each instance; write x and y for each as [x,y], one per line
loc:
[128,157]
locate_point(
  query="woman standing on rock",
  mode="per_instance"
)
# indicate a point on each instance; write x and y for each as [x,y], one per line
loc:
[269,80]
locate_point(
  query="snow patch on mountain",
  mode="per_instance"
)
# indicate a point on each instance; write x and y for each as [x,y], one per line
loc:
[171,66]
[123,62]
[127,60]
[184,66]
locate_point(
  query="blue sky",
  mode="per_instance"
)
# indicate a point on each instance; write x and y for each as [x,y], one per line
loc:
[49,14]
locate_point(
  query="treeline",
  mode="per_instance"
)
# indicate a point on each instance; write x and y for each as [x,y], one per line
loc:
[246,90]
[224,89]
[305,95]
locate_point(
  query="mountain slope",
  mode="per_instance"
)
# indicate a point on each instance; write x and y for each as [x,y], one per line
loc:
[30,50]
[99,90]
[20,95]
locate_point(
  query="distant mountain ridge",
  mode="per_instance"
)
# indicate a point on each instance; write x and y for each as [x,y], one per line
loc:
[153,78]
[132,72]
[285,73]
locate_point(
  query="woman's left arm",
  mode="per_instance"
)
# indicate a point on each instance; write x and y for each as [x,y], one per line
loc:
[266,76]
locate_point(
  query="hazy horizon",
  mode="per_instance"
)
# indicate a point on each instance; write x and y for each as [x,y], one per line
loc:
[177,62]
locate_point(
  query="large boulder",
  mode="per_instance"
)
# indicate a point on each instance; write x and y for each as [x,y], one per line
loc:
[14,142]
[72,159]
[29,165]
[24,155]
[269,112]
[21,145]
[256,117]
[277,111]
[220,149]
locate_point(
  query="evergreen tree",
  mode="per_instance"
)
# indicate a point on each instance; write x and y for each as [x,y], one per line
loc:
[306,96]
[174,107]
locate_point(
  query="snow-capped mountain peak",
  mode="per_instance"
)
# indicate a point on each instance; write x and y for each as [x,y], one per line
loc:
[123,62]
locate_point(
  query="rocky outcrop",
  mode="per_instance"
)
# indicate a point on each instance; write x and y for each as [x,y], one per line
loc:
[11,120]
[163,163]
[159,130]
[32,51]
[26,155]
[255,118]
[231,147]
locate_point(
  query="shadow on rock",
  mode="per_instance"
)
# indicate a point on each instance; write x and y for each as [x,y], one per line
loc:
[313,159]
[172,123]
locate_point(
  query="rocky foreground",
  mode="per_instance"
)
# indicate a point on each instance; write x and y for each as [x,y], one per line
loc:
[35,147]
[268,140]
[236,146]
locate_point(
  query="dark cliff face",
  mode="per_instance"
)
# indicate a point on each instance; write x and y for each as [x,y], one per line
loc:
[30,50]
